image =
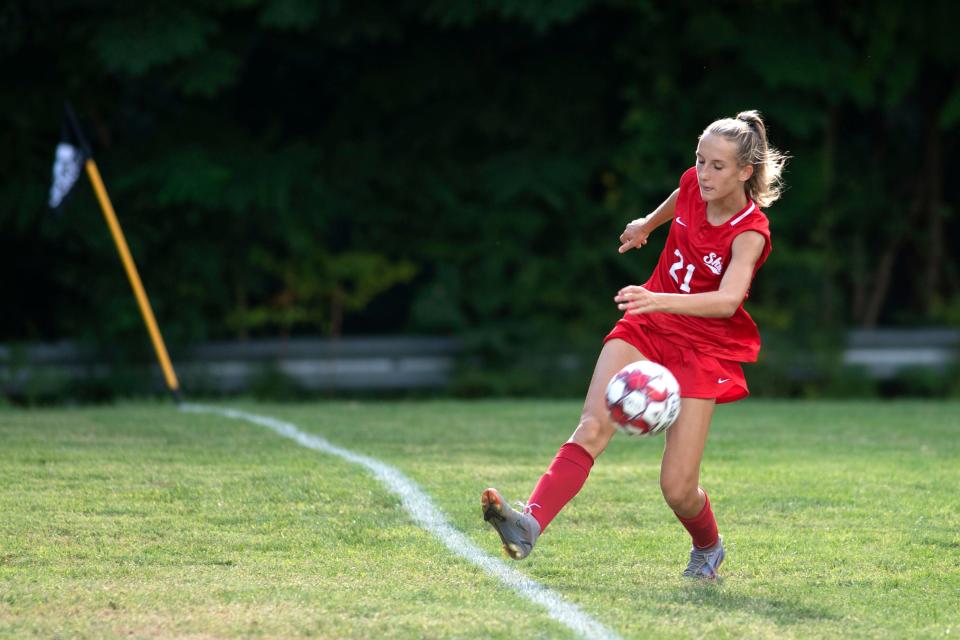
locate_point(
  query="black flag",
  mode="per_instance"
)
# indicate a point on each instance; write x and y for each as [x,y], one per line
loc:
[71,154]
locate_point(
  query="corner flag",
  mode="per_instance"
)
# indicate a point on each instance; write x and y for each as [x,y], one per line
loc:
[72,153]
[70,156]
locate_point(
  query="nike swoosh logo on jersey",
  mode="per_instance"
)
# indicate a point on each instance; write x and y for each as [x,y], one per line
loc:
[722,380]
[681,222]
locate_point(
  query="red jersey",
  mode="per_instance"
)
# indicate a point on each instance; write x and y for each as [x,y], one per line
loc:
[694,260]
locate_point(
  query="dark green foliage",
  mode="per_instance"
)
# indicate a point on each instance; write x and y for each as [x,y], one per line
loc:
[923,382]
[283,166]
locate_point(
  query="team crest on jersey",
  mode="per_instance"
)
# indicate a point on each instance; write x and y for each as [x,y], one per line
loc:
[714,262]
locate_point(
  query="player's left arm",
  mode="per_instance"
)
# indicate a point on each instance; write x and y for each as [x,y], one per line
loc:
[722,303]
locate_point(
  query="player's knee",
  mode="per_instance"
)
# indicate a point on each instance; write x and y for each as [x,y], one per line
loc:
[593,433]
[681,494]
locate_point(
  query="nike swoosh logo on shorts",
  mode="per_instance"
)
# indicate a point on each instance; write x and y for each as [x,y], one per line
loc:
[722,380]
[681,222]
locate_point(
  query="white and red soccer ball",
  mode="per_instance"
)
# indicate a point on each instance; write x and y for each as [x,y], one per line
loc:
[643,398]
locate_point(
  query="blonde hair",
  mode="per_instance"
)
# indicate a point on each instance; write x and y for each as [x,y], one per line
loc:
[749,133]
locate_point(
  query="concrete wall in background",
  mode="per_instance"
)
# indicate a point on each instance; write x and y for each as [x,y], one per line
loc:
[386,362]
[232,367]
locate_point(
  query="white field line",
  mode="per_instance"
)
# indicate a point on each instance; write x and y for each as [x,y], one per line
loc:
[426,514]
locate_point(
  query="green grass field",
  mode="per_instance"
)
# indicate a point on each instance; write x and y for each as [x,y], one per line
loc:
[841,521]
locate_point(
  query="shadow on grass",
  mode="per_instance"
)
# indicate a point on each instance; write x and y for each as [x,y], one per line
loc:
[774,609]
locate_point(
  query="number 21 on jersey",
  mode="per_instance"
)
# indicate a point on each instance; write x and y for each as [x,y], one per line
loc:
[677,266]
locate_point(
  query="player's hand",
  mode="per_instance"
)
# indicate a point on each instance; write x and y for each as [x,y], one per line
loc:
[634,236]
[635,299]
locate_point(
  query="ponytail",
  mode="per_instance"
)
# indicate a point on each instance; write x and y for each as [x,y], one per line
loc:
[749,133]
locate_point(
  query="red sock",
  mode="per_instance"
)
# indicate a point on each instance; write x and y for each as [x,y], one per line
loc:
[561,482]
[703,526]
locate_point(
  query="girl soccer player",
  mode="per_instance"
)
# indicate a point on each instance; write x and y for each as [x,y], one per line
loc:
[689,317]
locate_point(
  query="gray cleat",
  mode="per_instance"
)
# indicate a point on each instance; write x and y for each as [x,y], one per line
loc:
[704,563]
[518,530]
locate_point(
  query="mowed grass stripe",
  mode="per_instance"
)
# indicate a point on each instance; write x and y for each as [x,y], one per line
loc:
[143,521]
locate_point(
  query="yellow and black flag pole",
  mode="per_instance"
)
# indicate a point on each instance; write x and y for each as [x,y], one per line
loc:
[72,152]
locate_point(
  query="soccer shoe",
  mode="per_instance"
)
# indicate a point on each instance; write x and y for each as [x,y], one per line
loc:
[518,530]
[704,563]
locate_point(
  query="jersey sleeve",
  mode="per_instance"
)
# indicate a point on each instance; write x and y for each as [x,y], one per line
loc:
[761,225]
[688,180]
[688,195]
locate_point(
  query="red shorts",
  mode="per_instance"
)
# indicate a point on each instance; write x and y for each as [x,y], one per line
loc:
[699,376]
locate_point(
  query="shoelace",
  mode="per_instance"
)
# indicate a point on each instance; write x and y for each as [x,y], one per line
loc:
[697,559]
[526,509]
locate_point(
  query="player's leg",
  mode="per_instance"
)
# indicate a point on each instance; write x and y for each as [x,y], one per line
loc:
[680,484]
[568,472]
[683,450]
[595,429]
[571,466]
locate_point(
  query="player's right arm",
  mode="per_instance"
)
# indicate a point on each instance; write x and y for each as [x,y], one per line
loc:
[637,231]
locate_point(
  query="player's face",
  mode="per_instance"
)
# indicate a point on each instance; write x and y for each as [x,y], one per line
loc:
[718,173]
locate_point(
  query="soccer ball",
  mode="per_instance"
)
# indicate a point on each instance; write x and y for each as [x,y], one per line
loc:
[643,398]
